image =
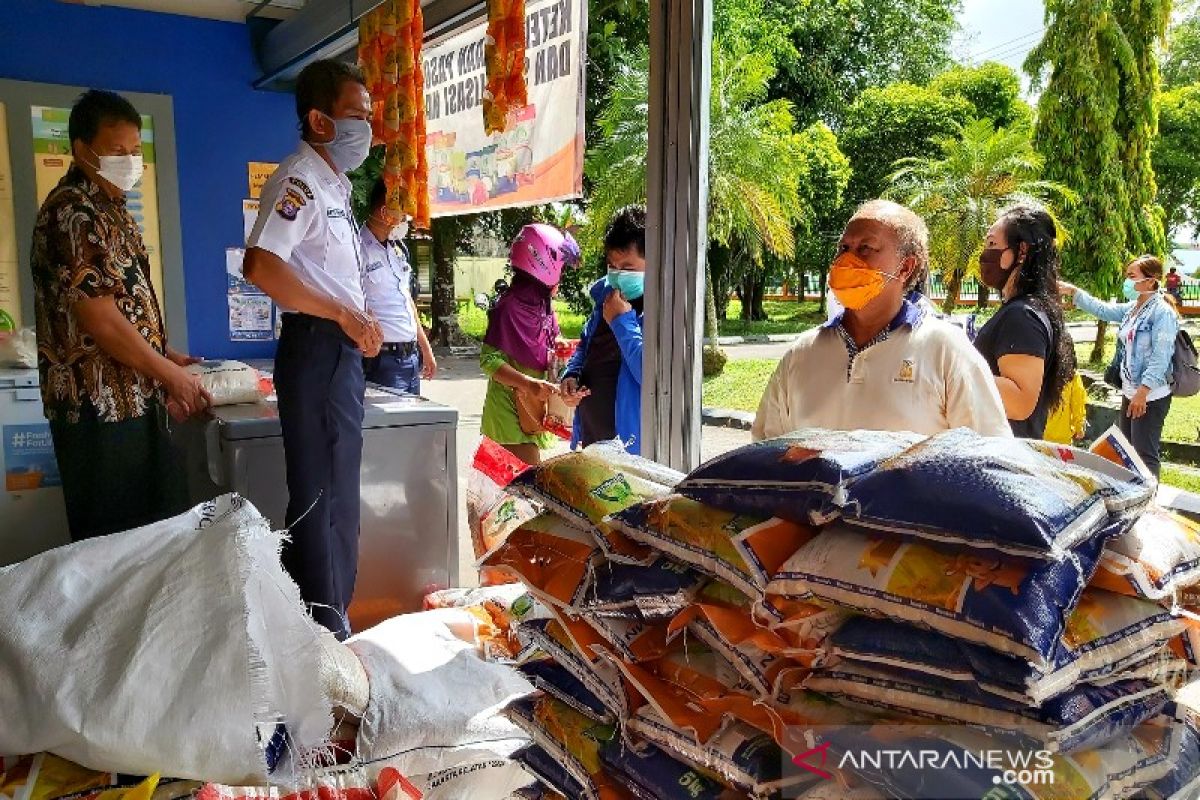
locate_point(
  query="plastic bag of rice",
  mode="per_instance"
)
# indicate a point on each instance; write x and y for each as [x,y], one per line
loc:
[1004,495]
[1102,624]
[743,756]
[649,773]
[755,652]
[549,772]
[1016,606]
[1084,718]
[744,551]
[577,647]
[573,740]
[801,476]
[557,681]
[1158,558]
[493,512]
[584,491]
[613,452]
[554,559]
[651,593]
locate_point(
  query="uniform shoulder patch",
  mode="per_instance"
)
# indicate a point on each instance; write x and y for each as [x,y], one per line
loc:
[301,185]
[289,204]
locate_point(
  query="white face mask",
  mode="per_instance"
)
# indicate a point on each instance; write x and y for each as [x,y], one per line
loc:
[400,231]
[123,172]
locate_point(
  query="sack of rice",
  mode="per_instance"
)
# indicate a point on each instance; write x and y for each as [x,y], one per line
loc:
[573,740]
[584,491]
[744,551]
[800,477]
[554,559]
[1002,495]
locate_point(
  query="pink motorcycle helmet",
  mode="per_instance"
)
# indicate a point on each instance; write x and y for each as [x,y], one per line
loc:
[544,251]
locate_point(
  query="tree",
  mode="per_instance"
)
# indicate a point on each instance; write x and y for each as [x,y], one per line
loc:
[1176,156]
[992,89]
[892,123]
[755,160]
[1181,59]
[823,189]
[843,47]
[1144,24]
[961,192]
[1095,121]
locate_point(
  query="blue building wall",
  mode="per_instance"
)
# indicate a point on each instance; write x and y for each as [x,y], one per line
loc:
[221,122]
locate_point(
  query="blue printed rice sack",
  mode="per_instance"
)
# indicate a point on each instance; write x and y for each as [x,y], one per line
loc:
[548,771]
[1006,495]
[1015,606]
[570,738]
[910,761]
[1183,781]
[651,774]
[655,592]
[1107,638]
[1082,719]
[597,674]
[558,682]
[800,477]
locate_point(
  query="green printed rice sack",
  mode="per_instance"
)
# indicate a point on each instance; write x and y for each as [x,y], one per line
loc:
[571,738]
[585,491]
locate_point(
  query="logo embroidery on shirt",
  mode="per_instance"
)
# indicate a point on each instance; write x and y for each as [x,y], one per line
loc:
[374,265]
[302,186]
[289,205]
[337,213]
[907,368]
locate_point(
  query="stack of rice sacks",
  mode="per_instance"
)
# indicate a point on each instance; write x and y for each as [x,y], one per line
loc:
[693,634]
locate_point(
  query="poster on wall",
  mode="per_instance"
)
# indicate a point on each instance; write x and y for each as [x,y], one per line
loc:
[29,461]
[258,172]
[539,158]
[52,158]
[250,310]
[10,294]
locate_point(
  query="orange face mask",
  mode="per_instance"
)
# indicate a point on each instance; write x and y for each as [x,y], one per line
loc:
[854,282]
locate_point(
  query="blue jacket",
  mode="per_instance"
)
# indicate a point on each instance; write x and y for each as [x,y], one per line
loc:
[628,330]
[1154,343]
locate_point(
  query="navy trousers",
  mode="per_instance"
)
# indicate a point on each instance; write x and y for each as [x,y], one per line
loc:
[395,372]
[320,385]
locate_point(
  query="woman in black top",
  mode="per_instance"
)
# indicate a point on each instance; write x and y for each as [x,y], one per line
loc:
[1026,343]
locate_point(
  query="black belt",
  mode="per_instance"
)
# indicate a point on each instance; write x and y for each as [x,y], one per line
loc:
[402,349]
[294,320]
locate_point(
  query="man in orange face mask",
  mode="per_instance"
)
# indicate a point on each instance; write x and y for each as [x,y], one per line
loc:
[884,363]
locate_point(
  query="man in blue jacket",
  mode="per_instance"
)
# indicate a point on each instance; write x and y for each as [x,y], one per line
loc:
[604,378]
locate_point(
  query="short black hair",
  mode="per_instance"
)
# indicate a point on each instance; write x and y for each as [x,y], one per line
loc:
[378,196]
[319,85]
[96,107]
[627,229]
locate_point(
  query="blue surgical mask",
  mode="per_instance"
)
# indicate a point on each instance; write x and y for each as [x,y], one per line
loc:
[629,283]
[1129,289]
[351,143]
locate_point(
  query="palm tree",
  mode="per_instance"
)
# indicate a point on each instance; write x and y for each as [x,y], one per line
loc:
[961,193]
[754,169]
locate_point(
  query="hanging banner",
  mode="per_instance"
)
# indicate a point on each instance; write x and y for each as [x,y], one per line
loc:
[10,298]
[539,158]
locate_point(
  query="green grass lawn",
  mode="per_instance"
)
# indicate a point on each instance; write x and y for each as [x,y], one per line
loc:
[783,317]
[740,385]
[473,320]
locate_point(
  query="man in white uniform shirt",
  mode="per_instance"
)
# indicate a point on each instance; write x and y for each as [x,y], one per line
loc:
[885,362]
[405,356]
[305,253]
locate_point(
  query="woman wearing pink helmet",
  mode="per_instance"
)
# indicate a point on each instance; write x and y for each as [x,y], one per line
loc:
[522,329]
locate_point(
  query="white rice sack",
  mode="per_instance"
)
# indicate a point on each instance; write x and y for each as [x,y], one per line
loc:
[613,451]
[229,382]
[434,702]
[164,649]
[1158,558]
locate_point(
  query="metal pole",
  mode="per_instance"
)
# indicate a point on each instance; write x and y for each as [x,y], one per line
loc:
[676,234]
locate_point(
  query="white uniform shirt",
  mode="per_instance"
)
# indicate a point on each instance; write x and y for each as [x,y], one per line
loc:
[922,375]
[386,283]
[304,218]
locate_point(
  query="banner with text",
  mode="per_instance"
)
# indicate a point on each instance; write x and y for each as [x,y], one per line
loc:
[539,158]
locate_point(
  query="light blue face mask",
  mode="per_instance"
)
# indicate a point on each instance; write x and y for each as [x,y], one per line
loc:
[1129,289]
[629,283]
[351,143]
